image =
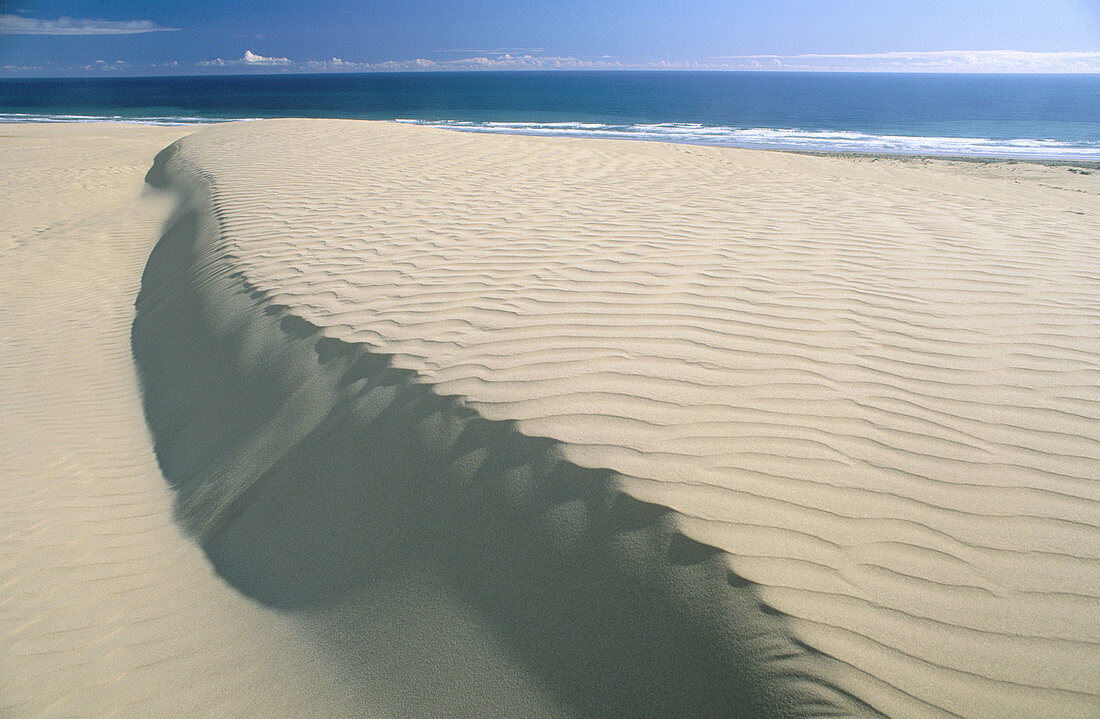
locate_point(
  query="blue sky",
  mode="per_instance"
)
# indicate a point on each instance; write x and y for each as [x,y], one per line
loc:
[142,37]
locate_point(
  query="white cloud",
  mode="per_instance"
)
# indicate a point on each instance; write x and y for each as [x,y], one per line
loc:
[974,61]
[505,61]
[104,66]
[957,61]
[15,25]
[938,61]
[251,58]
[335,64]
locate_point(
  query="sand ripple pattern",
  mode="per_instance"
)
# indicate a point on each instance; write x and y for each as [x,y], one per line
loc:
[875,386]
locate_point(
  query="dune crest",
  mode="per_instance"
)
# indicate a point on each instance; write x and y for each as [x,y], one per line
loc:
[794,435]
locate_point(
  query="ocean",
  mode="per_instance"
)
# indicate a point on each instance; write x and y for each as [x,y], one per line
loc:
[1009,116]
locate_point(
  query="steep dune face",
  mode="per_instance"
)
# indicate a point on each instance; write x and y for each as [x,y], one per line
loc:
[106,607]
[689,431]
[324,479]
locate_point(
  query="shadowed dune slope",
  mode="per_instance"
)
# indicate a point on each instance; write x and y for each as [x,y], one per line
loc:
[691,431]
[107,609]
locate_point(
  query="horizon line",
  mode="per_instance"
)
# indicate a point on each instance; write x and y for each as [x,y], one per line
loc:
[119,75]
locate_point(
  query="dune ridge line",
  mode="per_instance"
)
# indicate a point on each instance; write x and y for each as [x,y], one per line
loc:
[768,435]
[252,406]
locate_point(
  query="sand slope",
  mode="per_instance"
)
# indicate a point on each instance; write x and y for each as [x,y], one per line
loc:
[106,607]
[872,386]
[461,565]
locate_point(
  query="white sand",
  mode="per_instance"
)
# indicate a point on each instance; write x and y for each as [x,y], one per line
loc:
[392,366]
[106,608]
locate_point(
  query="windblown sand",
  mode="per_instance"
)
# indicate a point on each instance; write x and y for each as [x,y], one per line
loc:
[502,426]
[106,607]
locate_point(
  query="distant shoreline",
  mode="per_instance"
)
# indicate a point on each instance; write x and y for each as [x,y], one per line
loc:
[998,116]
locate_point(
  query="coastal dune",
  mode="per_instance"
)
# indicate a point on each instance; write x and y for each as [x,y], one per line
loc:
[647,429]
[325,478]
[357,419]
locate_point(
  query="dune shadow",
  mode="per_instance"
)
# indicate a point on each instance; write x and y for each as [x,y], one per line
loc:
[315,475]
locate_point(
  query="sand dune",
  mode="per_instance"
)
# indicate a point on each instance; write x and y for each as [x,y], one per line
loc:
[688,431]
[438,424]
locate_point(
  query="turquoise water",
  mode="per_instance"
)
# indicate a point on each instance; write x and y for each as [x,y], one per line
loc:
[1040,116]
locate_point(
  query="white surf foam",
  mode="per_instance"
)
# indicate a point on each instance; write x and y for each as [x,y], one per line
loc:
[794,139]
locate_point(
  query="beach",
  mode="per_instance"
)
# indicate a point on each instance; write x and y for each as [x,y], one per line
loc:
[348,418]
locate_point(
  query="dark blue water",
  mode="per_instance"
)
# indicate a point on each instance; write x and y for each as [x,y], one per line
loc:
[1049,116]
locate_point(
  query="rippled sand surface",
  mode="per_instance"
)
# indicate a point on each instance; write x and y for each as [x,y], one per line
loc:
[632,428]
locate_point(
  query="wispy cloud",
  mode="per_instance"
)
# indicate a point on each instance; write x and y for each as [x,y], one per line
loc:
[16,25]
[957,61]
[987,61]
[498,51]
[525,61]
[503,61]
[979,61]
[104,66]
